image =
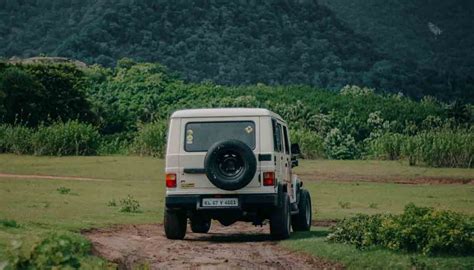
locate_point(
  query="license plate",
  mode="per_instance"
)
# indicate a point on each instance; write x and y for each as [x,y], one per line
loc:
[220,202]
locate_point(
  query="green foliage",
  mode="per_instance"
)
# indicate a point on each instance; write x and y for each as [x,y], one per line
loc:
[311,143]
[63,190]
[388,146]
[69,138]
[55,250]
[417,229]
[129,205]
[340,146]
[9,223]
[151,139]
[35,93]
[446,148]
[15,139]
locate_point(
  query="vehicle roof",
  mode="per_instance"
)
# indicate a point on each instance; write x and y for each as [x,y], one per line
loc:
[224,112]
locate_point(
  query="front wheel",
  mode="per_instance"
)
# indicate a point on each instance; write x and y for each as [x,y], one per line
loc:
[175,223]
[302,220]
[280,224]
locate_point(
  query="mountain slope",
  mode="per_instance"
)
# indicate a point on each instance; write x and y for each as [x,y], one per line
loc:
[229,42]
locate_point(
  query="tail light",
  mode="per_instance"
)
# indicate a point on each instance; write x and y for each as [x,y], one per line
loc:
[268,178]
[170,180]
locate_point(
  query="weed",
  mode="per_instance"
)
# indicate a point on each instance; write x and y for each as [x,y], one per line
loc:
[345,205]
[112,203]
[129,205]
[9,223]
[63,190]
[373,206]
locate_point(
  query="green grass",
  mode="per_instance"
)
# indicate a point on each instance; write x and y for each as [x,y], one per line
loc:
[378,170]
[38,205]
[314,243]
[336,200]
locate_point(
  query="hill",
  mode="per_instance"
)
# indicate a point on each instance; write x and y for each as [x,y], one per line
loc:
[276,42]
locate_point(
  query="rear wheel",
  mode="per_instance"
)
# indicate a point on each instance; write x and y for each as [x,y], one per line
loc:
[200,225]
[175,224]
[280,219]
[302,220]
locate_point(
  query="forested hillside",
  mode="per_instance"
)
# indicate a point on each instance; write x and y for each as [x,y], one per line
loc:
[228,42]
[429,33]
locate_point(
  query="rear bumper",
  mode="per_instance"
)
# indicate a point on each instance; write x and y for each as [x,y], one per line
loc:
[246,201]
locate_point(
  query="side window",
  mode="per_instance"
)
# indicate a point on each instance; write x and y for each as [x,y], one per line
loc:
[287,143]
[277,146]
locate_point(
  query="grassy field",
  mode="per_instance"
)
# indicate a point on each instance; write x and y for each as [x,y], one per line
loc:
[38,206]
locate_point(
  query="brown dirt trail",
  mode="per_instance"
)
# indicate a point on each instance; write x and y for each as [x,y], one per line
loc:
[240,246]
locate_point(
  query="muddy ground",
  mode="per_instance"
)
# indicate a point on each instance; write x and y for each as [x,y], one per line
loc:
[238,246]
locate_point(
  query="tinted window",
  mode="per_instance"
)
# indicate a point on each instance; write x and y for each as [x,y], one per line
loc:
[200,136]
[287,143]
[276,136]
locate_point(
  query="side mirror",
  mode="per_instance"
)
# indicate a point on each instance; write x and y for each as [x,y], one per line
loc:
[295,149]
[294,163]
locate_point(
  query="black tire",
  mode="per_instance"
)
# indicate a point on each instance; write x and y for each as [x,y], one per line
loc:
[280,219]
[175,222]
[230,164]
[302,220]
[200,225]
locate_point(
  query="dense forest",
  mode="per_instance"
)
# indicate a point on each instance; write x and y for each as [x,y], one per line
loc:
[62,109]
[277,42]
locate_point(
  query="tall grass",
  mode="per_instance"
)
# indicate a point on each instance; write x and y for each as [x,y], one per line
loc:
[443,148]
[150,140]
[69,138]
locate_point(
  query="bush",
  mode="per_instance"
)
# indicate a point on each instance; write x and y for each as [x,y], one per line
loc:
[311,143]
[114,144]
[56,250]
[69,138]
[441,148]
[150,139]
[129,205]
[9,223]
[417,229]
[388,146]
[340,146]
[15,139]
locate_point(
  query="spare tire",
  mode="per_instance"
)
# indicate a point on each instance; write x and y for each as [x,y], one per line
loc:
[230,164]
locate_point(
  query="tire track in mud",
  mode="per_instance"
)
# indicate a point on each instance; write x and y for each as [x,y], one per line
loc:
[240,246]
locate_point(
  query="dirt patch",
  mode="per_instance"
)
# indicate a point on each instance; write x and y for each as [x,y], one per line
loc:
[50,177]
[317,176]
[238,246]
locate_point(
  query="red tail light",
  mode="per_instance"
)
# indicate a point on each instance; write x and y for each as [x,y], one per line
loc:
[268,178]
[170,180]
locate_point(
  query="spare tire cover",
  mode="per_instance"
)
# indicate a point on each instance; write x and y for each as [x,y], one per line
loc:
[230,164]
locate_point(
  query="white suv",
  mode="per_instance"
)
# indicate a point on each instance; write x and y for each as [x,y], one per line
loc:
[232,165]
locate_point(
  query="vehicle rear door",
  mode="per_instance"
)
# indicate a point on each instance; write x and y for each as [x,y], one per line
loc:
[200,133]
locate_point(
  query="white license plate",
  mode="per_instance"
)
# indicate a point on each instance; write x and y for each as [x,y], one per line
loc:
[220,202]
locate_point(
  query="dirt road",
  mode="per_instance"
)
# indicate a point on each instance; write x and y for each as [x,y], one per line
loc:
[238,246]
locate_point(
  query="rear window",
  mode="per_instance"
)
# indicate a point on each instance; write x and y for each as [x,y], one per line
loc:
[200,136]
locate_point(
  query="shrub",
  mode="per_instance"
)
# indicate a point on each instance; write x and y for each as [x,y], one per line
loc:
[311,143]
[150,139]
[340,146]
[9,223]
[56,250]
[63,190]
[15,139]
[417,229]
[114,144]
[69,138]
[129,205]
